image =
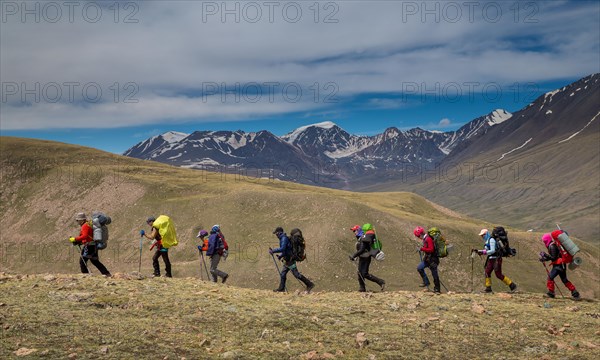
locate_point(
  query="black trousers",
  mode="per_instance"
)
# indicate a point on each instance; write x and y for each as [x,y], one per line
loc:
[559,270]
[291,266]
[89,252]
[363,273]
[165,256]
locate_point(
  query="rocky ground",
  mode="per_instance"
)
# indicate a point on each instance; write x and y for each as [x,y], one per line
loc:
[131,317]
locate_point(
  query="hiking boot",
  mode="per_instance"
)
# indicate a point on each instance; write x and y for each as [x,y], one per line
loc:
[575,294]
[169,276]
[225,278]
[362,290]
[279,290]
[488,289]
[382,286]
[155,275]
[512,286]
[437,291]
[309,287]
[550,294]
[423,285]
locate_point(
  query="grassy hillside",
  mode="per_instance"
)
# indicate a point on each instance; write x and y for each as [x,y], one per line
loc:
[45,183]
[90,317]
[548,181]
[534,189]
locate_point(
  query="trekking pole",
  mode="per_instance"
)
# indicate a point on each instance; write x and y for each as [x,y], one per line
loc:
[82,259]
[556,285]
[441,283]
[277,266]
[363,279]
[421,258]
[472,257]
[205,267]
[140,263]
[201,266]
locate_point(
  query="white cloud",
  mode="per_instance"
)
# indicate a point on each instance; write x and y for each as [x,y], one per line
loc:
[444,122]
[375,47]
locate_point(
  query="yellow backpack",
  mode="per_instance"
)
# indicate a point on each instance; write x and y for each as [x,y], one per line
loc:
[166,229]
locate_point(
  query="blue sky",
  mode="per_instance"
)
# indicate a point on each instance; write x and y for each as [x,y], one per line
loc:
[110,79]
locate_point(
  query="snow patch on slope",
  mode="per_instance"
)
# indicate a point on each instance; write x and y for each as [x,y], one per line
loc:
[348,151]
[173,136]
[236,144]
[291,137]
[498,116]
[203,162]
[586,125]
[515,149]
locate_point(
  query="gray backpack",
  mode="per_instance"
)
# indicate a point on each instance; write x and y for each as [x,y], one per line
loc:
[99,222]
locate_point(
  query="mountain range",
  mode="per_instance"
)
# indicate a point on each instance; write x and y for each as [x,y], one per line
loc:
[537,170]
[321,154]
[533,168]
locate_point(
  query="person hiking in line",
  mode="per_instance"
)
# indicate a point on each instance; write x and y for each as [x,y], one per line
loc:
[363,253]
[216,249]
[289,264]
[559,268]
[89,250]
[357,230]
[160,250]
[429,260]
[202,235]
[493,262]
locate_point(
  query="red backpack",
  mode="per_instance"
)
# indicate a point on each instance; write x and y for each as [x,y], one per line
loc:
[565,257]
[223,246]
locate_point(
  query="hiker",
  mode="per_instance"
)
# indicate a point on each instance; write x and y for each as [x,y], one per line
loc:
[160,250]
[430,259]
[286,251]
[202,235]
[89,250]
[559,267]
[363,253]
[493,262]
[357,230]
[217,248]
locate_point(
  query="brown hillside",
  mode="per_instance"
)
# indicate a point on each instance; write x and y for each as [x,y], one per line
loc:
[44,184]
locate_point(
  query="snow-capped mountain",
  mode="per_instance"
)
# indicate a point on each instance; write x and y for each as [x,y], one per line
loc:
[310,152]
[152,147]
[537,169]
[473,129]
[314,152]
[326,141]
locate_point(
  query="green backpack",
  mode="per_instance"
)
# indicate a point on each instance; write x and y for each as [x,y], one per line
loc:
[376,244]
[439,242]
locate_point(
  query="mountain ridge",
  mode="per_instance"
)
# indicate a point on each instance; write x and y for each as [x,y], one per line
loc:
[323,148]
[536,170]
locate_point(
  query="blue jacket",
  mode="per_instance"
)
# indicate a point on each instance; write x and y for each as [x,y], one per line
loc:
[214,244]
[285,247]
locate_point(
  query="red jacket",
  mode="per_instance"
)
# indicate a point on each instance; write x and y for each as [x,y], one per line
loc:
[86,235]
[428,246]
